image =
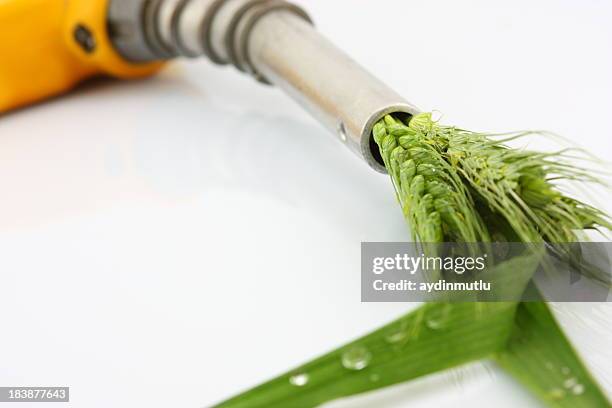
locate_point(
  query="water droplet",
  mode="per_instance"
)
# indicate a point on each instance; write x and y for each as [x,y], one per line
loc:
[299,380]
[570,382]
[565,370]
[357,358]
[578,389]
[556,394]
[434,324]
[550,365]
[438,319]
[374,377]
[397,337]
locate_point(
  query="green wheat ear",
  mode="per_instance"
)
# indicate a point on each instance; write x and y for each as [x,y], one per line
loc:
[472,176]
[459,186]
[435,200]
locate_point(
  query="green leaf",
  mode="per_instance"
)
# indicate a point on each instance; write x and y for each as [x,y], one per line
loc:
[540,357]
[436,337]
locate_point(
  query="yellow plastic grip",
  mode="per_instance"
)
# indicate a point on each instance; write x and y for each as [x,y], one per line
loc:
[40,56]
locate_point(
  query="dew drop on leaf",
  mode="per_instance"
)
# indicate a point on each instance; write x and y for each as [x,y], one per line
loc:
[434,324]
[356,358]
[556,394]
[397,337]
[570,383]
[578,389]
[299,380]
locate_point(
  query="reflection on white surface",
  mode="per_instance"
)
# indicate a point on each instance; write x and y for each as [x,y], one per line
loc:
[196,233]
[151,249]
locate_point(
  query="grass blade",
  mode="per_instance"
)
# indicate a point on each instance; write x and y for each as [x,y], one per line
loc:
[433,338]
[539,356]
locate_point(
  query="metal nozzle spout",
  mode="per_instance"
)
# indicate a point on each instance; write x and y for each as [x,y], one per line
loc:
[342,95]
[274,41]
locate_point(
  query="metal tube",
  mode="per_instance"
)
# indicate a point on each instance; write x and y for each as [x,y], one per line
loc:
[220,26]
[274,41]
[342,95]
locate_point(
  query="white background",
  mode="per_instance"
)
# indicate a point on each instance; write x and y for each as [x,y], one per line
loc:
[173,241]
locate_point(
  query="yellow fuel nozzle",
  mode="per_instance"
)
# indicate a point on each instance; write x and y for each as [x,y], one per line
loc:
[48,46]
